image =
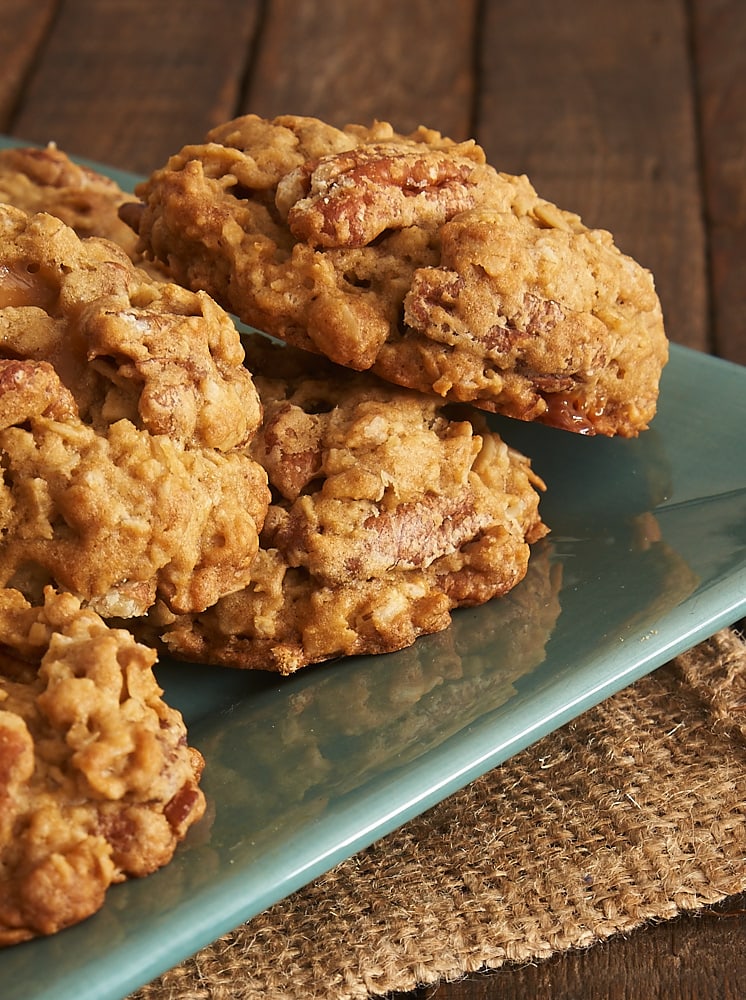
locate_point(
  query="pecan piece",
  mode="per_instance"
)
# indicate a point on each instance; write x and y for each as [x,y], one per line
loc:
[289,448]
[417,533]
[348,199]
[31,389]
[410,536]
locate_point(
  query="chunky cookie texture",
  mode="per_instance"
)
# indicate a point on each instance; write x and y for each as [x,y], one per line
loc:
[414,258]
[47,180]
[387,513]
[125,417]
[97,781]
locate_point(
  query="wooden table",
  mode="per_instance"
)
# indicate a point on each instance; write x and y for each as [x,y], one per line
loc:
[632,114]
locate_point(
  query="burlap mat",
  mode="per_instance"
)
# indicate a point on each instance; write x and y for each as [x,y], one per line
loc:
[635,811]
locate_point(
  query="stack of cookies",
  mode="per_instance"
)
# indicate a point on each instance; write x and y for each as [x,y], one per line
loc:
[266,503]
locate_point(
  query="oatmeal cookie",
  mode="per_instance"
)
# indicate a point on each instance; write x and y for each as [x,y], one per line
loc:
[387,513]
[414,258]
[47,180]
[125,416]
[97,782]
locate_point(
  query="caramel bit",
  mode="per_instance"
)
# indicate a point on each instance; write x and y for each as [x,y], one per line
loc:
[569,411]
[26,286]
[187,800]
[352,197]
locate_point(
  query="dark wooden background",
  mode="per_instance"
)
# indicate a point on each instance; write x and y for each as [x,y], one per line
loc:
[631,113]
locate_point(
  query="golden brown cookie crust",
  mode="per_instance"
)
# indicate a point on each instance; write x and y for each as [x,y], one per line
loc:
[125,416]
[386,514]
[412,257]
[46,180]
[97,782]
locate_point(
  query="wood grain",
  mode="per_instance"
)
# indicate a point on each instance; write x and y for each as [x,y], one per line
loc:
[409,64]
[130,83]
[719,45]
[595,103]
[23,28]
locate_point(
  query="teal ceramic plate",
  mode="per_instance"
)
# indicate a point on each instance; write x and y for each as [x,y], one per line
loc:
[647,556]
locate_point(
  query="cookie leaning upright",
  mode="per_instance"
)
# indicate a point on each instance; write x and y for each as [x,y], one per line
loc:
[412,257]
[125,417]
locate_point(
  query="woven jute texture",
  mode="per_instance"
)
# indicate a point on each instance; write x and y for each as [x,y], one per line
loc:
[635,811]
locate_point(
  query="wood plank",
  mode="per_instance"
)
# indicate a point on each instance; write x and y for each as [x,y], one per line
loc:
[594,102]
[129,83]
[719,46]
[409,64]
[23,27]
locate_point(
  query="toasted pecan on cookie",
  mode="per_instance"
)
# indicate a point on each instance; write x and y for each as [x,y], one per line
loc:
[97,782]
[412,257]
[387,513]
[125,416]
